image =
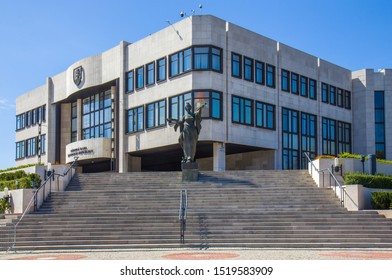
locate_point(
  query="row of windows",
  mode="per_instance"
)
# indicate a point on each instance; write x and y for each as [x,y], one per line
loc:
[299,134]
[96,116]
[335,96]
[154,114]
[298,84]
[243,112]
[37,115]
[336,137]
[379,119]
[252,70]
[194,58]
[31,147]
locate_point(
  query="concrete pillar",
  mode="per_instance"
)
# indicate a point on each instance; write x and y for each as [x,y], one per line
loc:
[219,156]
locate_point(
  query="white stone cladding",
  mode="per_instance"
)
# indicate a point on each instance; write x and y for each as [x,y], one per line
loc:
[109,69]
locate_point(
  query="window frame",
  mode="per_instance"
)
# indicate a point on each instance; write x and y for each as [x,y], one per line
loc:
[159,67]
[270,75]
[265,110]
[260,70]
[236,62]
[242,110]
[139,84]
[248,67]
[285,77]
[150,80]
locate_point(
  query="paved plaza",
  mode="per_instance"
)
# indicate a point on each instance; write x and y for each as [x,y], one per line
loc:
[184,254]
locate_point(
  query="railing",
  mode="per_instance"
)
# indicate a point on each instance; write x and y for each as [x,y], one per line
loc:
[34,199]
[183,213]
[333,181]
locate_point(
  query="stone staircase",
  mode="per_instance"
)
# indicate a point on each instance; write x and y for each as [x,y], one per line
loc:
[255,209]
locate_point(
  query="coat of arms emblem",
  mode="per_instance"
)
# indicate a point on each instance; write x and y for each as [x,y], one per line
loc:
[78,75]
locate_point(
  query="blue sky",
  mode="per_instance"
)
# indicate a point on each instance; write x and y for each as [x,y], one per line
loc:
[41,38]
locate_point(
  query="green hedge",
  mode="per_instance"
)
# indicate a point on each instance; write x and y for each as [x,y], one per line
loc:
[370,181]
[23,183]
[12,175]
[20,167]
[358,156]
[381,200]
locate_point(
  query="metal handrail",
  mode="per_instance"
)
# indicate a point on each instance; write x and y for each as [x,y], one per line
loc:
[183,214]
[34,199]
[331,176]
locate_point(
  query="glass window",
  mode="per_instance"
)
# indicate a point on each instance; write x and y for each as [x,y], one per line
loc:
[130,81]
[344,137]
[270,76]
[20,150]
[197,98]
[324,93]
[150,77]
[248,69]
[201,58]
[332,95]
[312,89]
[236,61]
[304,86]
[28,118]
[308,138]
[140,77]
[31,147]
[347,99]
[259,72]
[329,137]
[74,121]
[43,143]
[135,119]
[265,115]
[290,135]
[187,60]
[180,62]
[96,113]
[340,97]
[242,110]
[161,71]
[294,83]
[216,59]
[20,121]
[379,116]
[285,80]
[39,115]
[156,114]
[174,61]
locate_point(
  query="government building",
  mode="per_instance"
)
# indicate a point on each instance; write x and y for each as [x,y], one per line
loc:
[266,104]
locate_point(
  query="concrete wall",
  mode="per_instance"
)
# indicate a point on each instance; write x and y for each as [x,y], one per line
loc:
[365,82]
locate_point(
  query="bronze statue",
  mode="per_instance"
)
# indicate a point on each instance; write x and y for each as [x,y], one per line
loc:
[190,126]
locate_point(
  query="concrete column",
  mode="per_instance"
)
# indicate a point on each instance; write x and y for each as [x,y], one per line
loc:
[219,156]
[79,105]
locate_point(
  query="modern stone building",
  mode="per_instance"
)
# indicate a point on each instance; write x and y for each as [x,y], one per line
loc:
[267,103]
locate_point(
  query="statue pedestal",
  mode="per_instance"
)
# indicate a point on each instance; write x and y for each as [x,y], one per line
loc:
[190,171]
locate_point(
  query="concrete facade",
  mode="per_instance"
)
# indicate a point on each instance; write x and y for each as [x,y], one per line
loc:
[223,142]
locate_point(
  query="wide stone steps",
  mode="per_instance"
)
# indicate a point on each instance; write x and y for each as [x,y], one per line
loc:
[249,209]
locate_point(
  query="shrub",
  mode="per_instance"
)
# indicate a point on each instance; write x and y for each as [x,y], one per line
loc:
[369,181]
[4,205]
[23,183]
[348,155]
[381,200]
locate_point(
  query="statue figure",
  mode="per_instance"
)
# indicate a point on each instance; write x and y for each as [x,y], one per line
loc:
[190,128]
